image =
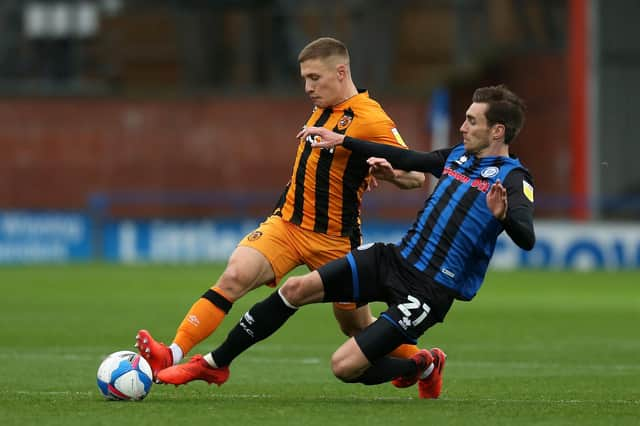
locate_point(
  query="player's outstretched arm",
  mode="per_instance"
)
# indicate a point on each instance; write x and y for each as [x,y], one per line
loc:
[321,137]
[403,159]
[381,169]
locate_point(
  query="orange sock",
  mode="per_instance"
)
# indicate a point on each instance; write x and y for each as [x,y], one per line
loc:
[405,351]
[203,318]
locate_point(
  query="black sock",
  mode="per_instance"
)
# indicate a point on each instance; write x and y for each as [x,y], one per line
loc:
[262,320]
[386,369]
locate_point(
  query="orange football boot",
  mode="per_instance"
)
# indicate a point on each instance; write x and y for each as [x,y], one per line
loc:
[196,369]
[431,387]
[157,354]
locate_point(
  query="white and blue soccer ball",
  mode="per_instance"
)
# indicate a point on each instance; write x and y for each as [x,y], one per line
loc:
[124,376]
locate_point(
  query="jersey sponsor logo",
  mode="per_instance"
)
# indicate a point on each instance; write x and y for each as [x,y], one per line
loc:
[313,139]
[344,122]
[489,172]
[318,139]
[481,185]
[396,135]
[456,175]
[527,189]
[255,235]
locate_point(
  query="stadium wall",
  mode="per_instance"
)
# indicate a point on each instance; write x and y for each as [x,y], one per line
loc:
[57,153]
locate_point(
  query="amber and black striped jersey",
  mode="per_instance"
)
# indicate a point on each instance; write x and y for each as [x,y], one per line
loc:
[326,187]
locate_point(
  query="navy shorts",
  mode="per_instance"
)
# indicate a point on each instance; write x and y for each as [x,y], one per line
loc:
[377,272]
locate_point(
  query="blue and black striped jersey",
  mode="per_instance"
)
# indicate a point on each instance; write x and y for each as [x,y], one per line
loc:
[454,235]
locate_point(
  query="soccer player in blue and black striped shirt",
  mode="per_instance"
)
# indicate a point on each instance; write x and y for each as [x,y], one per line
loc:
[482,190]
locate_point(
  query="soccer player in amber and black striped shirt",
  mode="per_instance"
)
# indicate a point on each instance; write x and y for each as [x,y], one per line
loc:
[482,190]
[316,220]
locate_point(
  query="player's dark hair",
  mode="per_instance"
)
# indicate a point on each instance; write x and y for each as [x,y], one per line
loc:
[324,48]
[505,107]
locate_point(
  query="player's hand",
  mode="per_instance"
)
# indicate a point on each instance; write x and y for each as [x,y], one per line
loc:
[380,168]
[497,200]
[320,137]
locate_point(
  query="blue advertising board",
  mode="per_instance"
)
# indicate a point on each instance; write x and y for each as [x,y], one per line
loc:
[29,237]
[559,245]
[36,237]
[173,241]
[574,246]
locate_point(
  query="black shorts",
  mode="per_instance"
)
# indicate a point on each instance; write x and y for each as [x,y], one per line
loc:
[377,272]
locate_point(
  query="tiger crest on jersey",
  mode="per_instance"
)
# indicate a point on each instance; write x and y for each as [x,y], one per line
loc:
[344,122]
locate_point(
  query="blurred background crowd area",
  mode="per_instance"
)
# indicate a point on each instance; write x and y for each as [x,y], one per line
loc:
[188,108]
[233,46]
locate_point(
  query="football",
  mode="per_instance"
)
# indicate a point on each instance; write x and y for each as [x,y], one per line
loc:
[124,376]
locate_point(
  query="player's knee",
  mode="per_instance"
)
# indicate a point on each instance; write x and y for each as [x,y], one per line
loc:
[234,282]
[302,290]
[293,290]
[343,369]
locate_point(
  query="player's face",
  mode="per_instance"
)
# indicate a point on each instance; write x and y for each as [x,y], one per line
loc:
[322,82]
[476,132]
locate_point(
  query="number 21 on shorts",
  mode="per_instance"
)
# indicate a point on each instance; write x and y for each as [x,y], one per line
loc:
[414,313]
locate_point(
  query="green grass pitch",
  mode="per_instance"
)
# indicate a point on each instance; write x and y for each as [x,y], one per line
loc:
[541,348]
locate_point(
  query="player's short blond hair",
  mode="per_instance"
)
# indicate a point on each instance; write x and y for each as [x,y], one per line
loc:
[324,48]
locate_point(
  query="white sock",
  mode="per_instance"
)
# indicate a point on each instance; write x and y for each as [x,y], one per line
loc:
[176,352]
[427,372]
[209,358]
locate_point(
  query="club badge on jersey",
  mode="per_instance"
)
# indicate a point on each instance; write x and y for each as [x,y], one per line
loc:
[344,122]
[489,172]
